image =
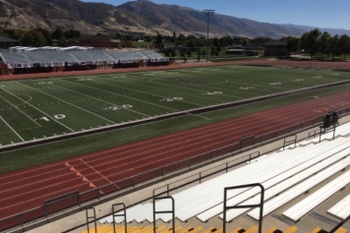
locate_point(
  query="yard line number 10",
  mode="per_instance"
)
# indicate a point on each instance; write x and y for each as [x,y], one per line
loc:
[57,117]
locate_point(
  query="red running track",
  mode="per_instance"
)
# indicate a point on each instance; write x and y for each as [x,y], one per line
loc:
[29,188]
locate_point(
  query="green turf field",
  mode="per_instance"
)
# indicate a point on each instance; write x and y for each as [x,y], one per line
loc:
[36,109]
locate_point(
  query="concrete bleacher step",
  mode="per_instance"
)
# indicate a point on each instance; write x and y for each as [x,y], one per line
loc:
[161,229]
[341,230]
[200,229]
[213,230]
[274,230]
[291,229]
[320,230]
[252,229]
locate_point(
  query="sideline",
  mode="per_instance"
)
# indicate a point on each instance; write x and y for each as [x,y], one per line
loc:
[14,131]
[338,65]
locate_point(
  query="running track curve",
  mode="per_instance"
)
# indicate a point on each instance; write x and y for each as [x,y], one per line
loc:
[29,188]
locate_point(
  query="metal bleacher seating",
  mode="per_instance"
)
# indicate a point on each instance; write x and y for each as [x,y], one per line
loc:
[151,54]
[22,57]
[324,172]
[284,181]
[126,55]
[307,204]
[51,58]
[285,175]
[341,210]
[13,59]
[92,56]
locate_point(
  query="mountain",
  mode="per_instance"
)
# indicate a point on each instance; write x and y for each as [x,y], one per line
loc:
[88,18]
[140,16]
[187,20]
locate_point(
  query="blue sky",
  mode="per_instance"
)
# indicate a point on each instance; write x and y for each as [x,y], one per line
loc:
[314,13]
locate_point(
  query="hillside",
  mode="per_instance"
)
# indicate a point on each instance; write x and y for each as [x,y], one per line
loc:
[135,16]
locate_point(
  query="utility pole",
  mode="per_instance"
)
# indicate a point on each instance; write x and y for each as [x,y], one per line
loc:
[208,13]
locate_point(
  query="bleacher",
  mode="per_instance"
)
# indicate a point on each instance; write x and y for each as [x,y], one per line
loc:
[23,57]
[127,55]
[341,210]
[286,176]
[200,229]
[92,56]
[14,59]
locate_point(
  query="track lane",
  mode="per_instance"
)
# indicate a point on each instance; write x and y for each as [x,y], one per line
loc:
[198,140]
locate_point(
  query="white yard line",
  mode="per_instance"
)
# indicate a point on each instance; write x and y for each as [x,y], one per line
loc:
[100,99]
[176,92]
[206,118]
[13,130]
[188,94]
[20,110]
[52,118]
[76,106]
[158,105]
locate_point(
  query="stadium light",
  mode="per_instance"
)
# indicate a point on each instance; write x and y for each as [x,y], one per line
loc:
[208,13]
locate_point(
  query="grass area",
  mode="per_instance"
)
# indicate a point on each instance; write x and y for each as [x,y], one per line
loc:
[48,107]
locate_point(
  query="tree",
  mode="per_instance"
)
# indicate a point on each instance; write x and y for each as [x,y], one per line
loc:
[181,38]
[203,52]
[310,42]
[33,38]
[344,44]
[159,42]
[333,48]
[198,54]
[324,42]
[260,41]
[72,34]
[293,44]
[167,52]
[213,51]
[58,34]
[173,52]
[47,36]
[226,41]
[183,52]
[191,41]
[189,52]
[216,44]
[240,41]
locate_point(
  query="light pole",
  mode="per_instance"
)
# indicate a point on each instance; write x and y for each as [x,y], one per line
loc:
[208,13]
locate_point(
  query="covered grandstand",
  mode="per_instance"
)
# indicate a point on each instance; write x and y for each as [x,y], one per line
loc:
[19,60]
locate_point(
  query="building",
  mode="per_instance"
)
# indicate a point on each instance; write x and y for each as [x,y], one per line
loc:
[6,42]
[276,49]
[239,50]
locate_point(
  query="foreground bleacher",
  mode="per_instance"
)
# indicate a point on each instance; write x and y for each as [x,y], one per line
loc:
[285,174]
[201,229]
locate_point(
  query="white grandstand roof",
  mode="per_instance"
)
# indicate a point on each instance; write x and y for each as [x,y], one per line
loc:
[18,48]
[48,48]
[75,48]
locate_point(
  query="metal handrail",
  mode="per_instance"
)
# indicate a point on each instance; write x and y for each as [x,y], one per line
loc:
[134,180]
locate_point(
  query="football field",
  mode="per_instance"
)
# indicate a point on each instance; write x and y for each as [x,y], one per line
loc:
[36,109]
